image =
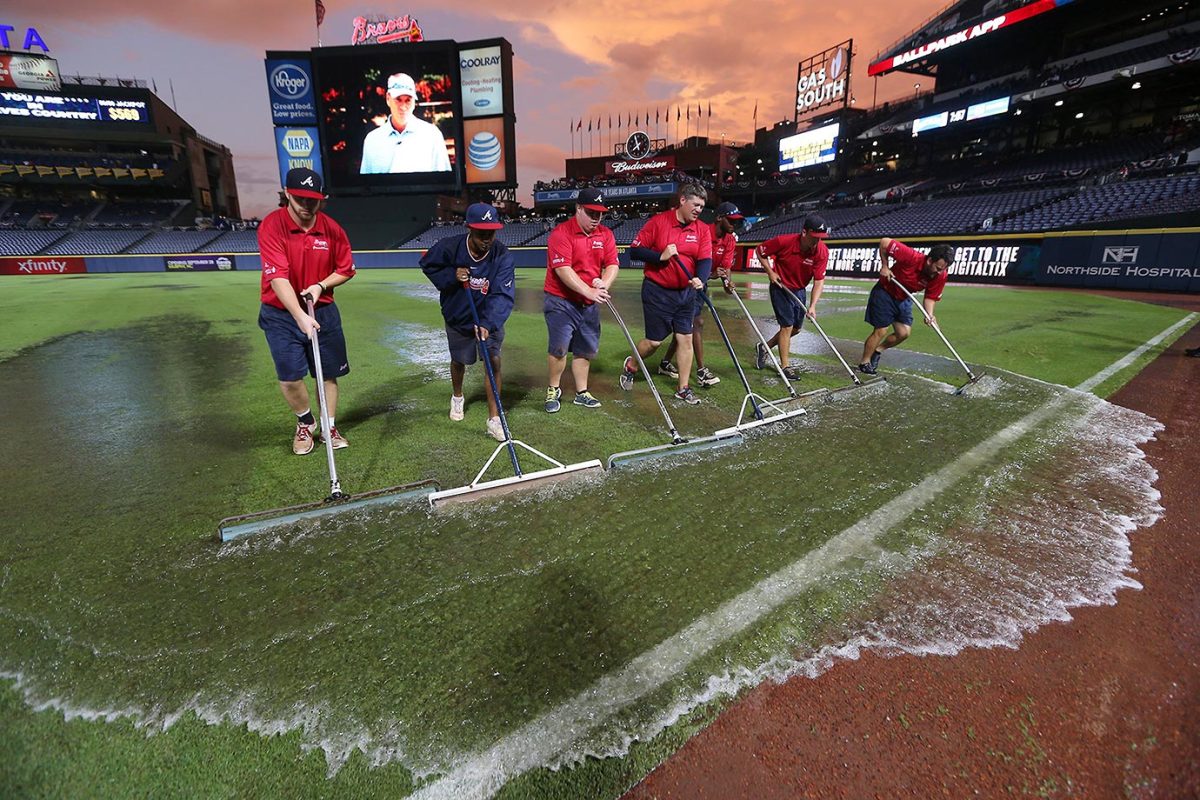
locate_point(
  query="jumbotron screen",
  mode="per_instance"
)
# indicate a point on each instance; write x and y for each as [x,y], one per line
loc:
[390,116]
[817,146]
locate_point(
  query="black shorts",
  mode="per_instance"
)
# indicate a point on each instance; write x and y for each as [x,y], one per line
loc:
[291,349]
[667,311]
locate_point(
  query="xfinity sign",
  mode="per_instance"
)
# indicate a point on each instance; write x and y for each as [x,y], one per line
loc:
[290,86]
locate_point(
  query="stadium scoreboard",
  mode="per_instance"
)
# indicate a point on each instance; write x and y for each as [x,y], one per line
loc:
[335,111]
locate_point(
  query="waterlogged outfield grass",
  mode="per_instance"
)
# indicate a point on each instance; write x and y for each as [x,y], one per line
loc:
[227,386]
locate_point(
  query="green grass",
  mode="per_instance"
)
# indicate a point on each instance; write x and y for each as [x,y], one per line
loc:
[147,409]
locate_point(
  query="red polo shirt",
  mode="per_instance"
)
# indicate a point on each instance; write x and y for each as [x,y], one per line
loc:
[587,254]
[303,257]
[906,268]
[795,267]
[692,241]
[723,250]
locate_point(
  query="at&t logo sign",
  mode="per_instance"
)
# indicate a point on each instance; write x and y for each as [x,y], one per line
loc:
[289,80]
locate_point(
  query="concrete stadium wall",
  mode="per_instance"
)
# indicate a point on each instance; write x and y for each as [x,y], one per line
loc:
[1160,260]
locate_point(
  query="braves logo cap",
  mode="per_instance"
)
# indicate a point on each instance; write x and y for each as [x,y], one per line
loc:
[303,182]
[729,211]
[401,84]
[591,199]
[815,227]
[483,217]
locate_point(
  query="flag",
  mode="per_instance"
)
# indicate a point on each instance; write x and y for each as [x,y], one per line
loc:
[628,119]
[320,13]
[756,112]
[610,122]
[699,111]
[710,108]
[689,111]
[589,124]
[579,126]
[677,114]
[656,113]
[638,120]
[571,125]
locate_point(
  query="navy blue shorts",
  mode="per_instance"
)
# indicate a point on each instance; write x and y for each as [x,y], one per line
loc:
[667,311]
[463,347]
[787,311]
[290,349]
[571,327]
[884,310]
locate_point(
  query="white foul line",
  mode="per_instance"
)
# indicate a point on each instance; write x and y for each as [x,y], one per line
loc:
[537,742]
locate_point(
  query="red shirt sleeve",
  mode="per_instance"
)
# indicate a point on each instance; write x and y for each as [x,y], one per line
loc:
[272,246]
[558,249]
[772,247]
[610,249]
[821,261]
[343,256]
[648,235]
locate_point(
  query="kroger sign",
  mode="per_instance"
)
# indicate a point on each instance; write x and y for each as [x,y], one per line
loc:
[290,86]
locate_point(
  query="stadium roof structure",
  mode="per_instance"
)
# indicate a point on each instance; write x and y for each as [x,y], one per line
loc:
[958,23]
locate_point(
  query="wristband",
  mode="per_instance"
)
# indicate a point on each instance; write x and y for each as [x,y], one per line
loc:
[323,289]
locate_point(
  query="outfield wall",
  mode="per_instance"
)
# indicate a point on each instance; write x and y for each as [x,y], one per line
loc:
[1166,260]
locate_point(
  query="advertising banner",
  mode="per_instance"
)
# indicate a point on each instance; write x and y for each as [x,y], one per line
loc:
[650,164]
[486,146]
[298,147]
[197,263]
[482,78]
[42,265]
[290,87]
[27,71]
[31,107]
[1162,261]
[993,262]
[824,79]
[610,192]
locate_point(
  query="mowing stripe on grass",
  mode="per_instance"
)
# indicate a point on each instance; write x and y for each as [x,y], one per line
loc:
[537,742]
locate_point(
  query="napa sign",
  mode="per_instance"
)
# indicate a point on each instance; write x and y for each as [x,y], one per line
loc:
[31,38]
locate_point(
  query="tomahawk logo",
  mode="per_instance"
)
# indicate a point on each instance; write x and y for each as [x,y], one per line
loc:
[30,266]
[307,182]
[1120,255]
[487,215]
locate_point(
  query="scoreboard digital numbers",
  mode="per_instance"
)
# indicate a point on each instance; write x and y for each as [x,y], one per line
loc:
[34,107]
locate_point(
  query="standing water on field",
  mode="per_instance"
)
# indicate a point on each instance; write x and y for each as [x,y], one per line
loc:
[561,623]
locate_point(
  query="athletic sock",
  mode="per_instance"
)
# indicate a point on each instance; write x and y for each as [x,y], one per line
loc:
[306,418]
[332,424]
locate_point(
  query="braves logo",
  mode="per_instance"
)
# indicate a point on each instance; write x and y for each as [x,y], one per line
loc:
[480,285]
[597,245]
[320,244]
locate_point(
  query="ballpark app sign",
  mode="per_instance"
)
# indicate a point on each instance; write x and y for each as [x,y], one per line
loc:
[290,86]
[297,147]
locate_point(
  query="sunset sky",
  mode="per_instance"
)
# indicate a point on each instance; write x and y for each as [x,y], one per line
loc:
[572,59]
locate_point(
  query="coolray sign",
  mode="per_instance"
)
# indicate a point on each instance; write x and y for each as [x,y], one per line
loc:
[297,147]
[290,87]
[822,80]
[482,75]
[28,71]
[652,164]
[197,263]
[381,30]
[31,39]
[965,35]
[42,265]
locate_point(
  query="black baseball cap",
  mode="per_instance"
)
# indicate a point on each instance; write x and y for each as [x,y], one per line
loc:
[591,199]
[303,182]
[729,211]
[814,226]
[484,217]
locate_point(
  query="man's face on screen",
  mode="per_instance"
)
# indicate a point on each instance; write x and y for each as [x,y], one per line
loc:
[402,109]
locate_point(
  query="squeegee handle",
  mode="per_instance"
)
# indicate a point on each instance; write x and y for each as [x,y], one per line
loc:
[732,353]
[936,328]
[487,366]
[335,486]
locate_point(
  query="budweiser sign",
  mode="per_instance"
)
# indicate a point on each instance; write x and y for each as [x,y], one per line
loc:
[382,31]
[652,164]
[42,265]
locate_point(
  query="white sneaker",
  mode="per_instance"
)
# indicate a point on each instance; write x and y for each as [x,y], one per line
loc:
[456,408]
[496,430]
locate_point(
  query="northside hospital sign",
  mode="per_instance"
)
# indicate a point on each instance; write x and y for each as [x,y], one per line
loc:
[965,35]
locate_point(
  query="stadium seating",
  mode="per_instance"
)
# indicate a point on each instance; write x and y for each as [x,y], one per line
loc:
[26,243]
[428,237]
[233,242]
[1114,201]
[174,242]
[82,243]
